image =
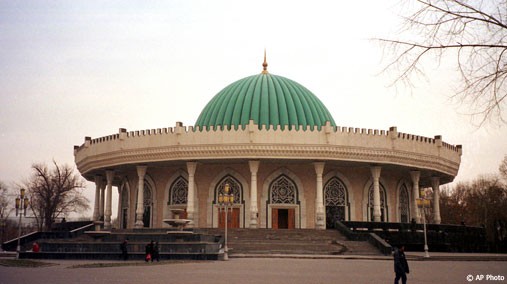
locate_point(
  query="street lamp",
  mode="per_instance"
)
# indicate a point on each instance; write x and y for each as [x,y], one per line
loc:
[225,201]
[424,202]
[21,206]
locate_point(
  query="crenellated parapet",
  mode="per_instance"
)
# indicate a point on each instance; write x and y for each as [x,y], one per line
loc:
[329,143]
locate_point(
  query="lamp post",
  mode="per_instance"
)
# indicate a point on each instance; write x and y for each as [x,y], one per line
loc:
[423,202]
[225,201]
[21,206]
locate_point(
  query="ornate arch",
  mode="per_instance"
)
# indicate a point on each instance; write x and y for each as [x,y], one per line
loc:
[299,205]
[239,186]
[350,192]
[168,203]
[124,204]
[235,187]
[283,191]
[403,203]
[336,201]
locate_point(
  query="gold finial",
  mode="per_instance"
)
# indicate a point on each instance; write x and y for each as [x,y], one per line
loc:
[265,64]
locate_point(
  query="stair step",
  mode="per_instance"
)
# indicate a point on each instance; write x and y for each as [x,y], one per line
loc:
[297,241]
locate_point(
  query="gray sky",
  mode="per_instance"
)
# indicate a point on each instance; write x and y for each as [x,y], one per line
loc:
[70,69]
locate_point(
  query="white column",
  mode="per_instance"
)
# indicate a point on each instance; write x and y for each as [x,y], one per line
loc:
[96,207]
[320,223]
[435,184]
[191,167]
[109,195]
[416,175]
[119,213]
[102,200]
[254,211]
[375,173]
[141,171]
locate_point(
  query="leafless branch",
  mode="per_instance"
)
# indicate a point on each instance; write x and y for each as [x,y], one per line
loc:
[55,193]
[475,32]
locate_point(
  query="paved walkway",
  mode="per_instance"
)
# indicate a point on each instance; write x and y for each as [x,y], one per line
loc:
[413,256]
[262,270]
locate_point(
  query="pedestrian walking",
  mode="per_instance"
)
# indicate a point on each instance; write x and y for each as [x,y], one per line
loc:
[156,255]
[149,252]
[124,251]
[400,265]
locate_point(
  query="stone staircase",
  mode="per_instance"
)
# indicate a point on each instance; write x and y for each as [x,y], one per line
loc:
[297,241]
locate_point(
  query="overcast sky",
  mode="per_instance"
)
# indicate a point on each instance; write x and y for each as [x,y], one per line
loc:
[70,69]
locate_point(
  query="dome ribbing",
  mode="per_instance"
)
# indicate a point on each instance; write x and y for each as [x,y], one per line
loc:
[266,99]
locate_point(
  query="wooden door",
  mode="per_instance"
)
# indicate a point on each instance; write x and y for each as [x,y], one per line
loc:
[292,219]
[274,218]
[283,218]
[233,216]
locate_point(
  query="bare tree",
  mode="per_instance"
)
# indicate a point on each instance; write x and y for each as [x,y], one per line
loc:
[475,32]
[54,193]
[503,168]
[5,210]
[481,202]
[5,200]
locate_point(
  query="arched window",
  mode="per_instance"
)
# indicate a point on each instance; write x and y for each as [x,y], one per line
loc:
[179,192]
[148,203]
[283,191]
[335,193]
[383,203]
[404,204]
[124,206]
[234,188]
[237,210]
[336,201]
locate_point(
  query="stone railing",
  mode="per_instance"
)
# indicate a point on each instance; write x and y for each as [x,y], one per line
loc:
[455,238]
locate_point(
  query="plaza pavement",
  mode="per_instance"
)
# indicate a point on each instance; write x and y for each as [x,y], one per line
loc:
[451,268]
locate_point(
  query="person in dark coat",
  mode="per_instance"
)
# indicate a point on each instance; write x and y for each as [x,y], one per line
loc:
[155,255]
[400,265]
[149,252]
[124,251]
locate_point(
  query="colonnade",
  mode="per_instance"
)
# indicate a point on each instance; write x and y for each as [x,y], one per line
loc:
[103,194]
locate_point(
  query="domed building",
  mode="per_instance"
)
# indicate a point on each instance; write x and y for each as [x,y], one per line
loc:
[277,147]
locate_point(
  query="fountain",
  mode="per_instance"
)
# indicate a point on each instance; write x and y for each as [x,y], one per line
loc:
[98,234]
[176,222]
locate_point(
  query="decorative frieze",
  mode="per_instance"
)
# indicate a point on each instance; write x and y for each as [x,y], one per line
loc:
[328,144]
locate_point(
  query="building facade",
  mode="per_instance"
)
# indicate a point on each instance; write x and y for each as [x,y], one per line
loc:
[286,162]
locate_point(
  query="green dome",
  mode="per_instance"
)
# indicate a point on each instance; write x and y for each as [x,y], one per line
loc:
[266,99]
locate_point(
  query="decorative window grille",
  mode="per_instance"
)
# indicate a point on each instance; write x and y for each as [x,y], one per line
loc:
[234,188]
[124,207]
[335,193]
[283,191]
[404,204]
[179,191]
[147,203]
[124,198]
[147,200]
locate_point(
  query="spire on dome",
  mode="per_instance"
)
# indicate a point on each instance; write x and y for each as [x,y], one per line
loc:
[265,64]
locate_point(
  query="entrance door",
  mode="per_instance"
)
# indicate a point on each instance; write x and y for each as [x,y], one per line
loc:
[283,218]
[233,218]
